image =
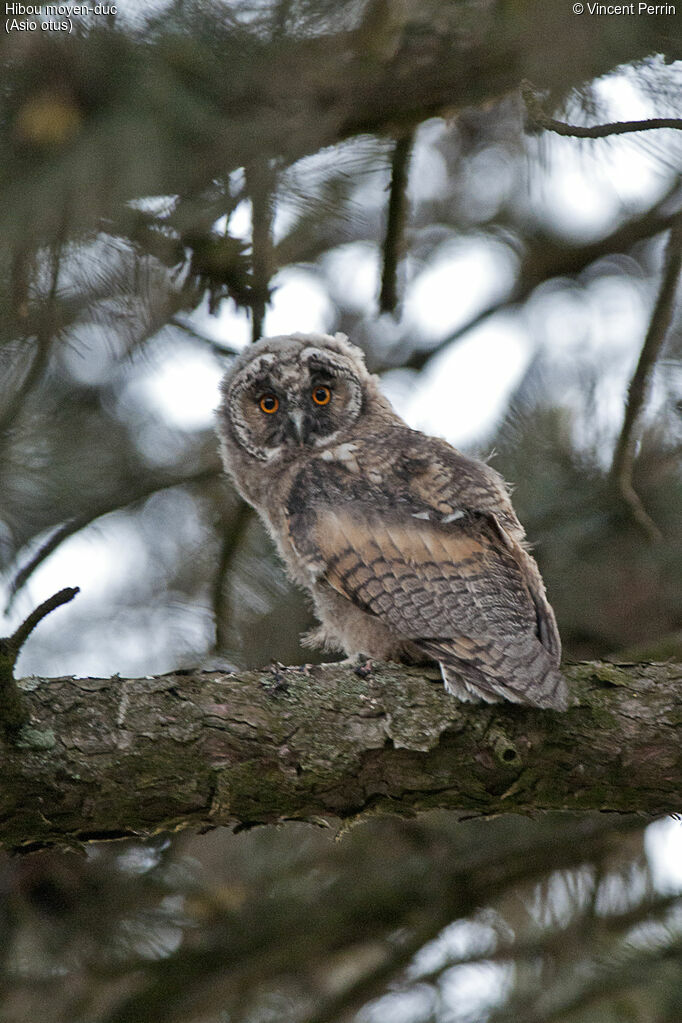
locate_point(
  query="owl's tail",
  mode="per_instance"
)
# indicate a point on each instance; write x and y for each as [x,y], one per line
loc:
[523,672]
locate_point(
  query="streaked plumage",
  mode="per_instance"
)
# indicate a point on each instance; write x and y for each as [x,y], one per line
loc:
[410,550]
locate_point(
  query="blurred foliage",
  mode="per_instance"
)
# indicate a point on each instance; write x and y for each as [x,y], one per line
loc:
[556,918]
[131,152]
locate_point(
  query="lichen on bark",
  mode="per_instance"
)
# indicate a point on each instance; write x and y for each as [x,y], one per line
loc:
[199,749]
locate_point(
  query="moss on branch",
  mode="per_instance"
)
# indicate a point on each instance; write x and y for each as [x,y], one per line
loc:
[138,756]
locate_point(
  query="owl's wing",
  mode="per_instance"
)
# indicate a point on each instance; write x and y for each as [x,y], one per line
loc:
[450,579]
[454,589]
[447,482]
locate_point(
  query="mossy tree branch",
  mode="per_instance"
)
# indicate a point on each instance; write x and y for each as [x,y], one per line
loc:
[108,758]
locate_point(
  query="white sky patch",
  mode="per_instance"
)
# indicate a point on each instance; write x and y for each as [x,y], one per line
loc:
[471,991]
[239,224]
[411,1006]
[284,220]
[184,389]
[559,317]
[101,632]
[354,272]
[663,846]
[458,940]
[228,326]
[464,278]
[580,207]
[85,560]
[428,176]
[637,176]
[461,396]
[101,560]
[619,314]
[590,189]
[592,335]
[299,303]
[467,991]
[488,177]
[594,181]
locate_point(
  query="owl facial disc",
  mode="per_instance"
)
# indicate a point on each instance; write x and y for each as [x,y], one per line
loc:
[306,398]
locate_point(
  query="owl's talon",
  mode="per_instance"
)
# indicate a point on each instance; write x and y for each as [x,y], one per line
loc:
[280,683]
[364,669]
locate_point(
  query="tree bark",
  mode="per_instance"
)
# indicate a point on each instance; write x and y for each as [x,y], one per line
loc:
[113,758]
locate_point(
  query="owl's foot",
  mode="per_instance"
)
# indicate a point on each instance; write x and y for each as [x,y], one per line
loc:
[361,664]
[364,668]
[280,683]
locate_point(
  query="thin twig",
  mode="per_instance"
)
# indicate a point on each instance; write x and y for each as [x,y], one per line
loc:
[44,339]
[539,118]
[13,710]
[638,391]
[56,600]
[79,522]
[260,183]
[217,347]
[232,538]
[395,223]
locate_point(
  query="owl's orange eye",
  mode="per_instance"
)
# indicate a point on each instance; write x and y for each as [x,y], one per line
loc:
[269,403]
[322,395]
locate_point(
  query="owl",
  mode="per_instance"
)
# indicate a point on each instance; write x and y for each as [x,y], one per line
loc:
[410,550]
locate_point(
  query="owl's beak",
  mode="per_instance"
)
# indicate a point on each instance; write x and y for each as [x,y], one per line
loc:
[296,421]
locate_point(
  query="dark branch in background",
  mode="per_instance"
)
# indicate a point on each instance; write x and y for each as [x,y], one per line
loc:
[396,218]
[260,184]
[19,286]
[217,347]
[233,534]
[546,260]
[564,941]
[465,882]
[79,522]
[373,983]
[13,712]
[617,974]
[43,342]
[538,119]
[624,456]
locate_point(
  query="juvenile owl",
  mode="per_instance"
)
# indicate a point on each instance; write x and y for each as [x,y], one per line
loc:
[411,551]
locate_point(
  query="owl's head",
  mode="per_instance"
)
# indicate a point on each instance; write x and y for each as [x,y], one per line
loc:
[288,394]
